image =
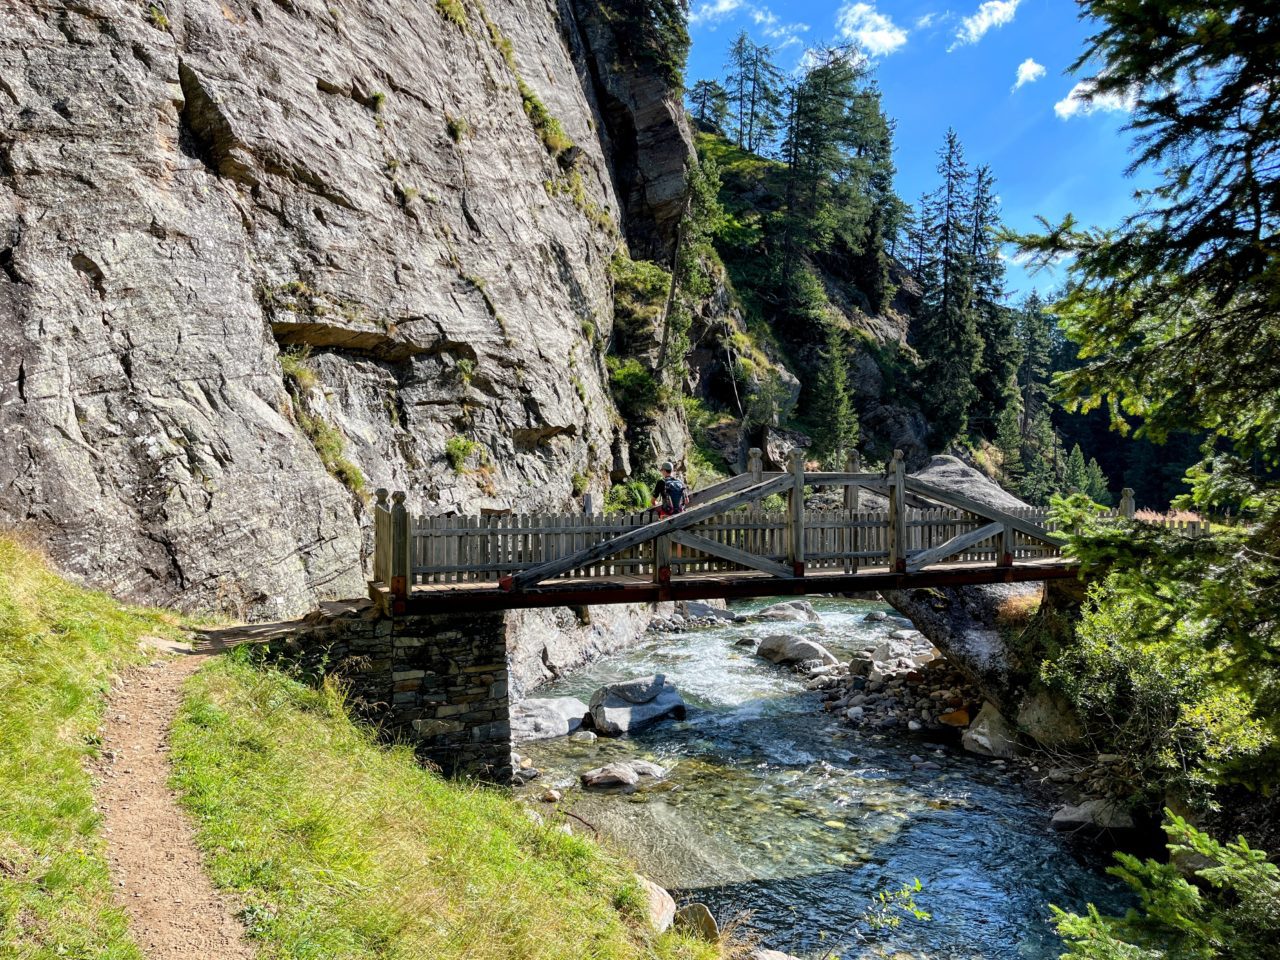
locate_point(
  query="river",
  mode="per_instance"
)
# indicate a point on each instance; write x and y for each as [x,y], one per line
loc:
[780,813]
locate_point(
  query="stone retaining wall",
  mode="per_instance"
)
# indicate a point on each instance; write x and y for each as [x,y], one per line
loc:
[439,682]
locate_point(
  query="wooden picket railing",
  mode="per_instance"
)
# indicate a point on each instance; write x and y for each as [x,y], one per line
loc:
[725,530]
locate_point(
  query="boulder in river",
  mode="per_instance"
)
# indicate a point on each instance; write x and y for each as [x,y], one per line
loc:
[1097,814]
[763,954]
[990,734]
[876,616]
[701,610]
[539,718]
[611,775]
[696,918]
[635,704]
[798,611]
[781,648]
[662,908]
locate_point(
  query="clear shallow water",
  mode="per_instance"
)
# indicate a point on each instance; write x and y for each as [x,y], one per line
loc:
[773,806]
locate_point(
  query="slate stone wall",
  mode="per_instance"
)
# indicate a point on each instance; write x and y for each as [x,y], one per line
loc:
[439,682]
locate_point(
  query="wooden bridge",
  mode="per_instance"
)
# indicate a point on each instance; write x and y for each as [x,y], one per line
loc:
[728,543]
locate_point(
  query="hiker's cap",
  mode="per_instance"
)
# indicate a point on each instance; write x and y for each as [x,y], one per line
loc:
[668,467]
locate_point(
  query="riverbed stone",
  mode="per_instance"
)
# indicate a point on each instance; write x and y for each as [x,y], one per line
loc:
[990,735]
[1097,814]
[799,611]
[662,907]
[539,718]
[635,704]
[784,649]
[695,918]
[611,775]
[763,954]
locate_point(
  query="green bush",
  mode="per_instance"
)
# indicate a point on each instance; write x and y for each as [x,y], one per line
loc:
[548,127]
[640,290]
[635,391]
[1160,705]
[1232,913]
[453,11]
[458,450]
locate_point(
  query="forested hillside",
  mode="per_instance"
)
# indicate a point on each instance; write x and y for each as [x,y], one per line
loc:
[894,317]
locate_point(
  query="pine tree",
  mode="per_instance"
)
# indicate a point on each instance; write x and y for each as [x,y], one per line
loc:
[1040,482]
[835,433]
[764,101]
[998,364]
[709,104]
[1009,443]
[947,336]
[1076,475]
[1096,485]
[1033,328]
[737,83]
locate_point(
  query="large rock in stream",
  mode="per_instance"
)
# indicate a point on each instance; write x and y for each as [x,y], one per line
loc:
[785,649]
[635,704]
[540,718]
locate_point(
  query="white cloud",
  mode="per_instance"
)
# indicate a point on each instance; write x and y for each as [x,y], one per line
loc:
[711,11]
[1079,101]
[786,34]
[992,14]
[1029,72]
[870,29]
[925,22]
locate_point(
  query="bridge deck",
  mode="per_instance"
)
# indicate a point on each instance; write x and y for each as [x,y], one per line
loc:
[457,597]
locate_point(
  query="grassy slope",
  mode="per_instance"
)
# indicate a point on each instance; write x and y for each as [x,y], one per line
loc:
[59,646]
[341,848]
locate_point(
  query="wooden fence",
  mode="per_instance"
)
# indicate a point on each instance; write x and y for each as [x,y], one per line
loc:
[725,530]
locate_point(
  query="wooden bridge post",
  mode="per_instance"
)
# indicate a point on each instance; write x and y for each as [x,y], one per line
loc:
[897,514]
[1006,547]
[755,464]
[853,464]
[382,538]
[662,560]
[401,567]
[1126,503]
[795,513]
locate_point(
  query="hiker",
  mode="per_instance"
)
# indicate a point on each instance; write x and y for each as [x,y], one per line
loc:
[669,493]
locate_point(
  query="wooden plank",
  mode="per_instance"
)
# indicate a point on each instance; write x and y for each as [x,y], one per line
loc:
[725,487]
[732,554]
[1024,527]
[897,515]
[612,545]
[957,544]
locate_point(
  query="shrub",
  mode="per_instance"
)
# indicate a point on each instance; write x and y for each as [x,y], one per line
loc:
[458,450]
[580,483]
[1160,705]
[458,127]
[547,126]
[453,11]
[635,391]
[157,17]
[1232,913]
[377,100]
[297,368]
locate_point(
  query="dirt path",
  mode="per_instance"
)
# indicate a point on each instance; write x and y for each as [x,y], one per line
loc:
[174,911]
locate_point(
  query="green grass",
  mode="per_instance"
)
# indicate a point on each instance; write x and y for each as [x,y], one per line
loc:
[340,847]
[59,647]
[453,11]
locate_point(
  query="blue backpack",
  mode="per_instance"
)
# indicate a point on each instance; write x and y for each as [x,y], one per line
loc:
[674,496]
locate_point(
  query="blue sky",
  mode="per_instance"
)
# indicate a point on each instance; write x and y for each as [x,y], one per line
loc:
[996,70]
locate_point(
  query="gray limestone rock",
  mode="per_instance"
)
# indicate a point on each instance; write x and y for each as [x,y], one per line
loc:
[635,704]
[539,718]
[785,649]
[238,237]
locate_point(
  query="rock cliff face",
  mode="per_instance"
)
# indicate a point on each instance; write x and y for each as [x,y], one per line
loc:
[259,258]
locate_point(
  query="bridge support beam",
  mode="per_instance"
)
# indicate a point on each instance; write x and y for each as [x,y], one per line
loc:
[438,681]
[897,514]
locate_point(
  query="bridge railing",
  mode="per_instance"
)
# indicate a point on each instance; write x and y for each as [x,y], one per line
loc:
[907,527]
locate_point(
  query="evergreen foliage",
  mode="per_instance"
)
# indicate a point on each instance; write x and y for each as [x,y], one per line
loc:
[946,335]
[652,31]
[1229,909]
[755,94]
[835,432]
[709,105]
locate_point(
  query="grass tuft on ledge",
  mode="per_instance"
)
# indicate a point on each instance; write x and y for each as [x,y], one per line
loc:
[59,647]
[340,847]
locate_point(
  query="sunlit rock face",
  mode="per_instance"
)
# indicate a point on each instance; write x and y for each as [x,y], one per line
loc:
[187,196]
